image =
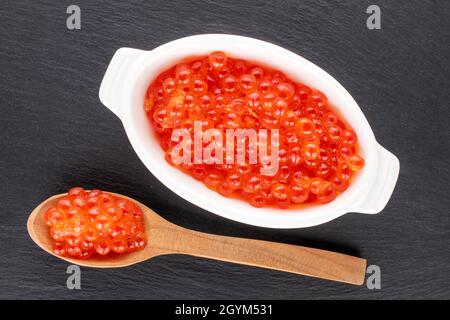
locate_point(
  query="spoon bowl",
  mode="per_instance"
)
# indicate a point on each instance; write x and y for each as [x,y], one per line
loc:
[39,233]
[164,237]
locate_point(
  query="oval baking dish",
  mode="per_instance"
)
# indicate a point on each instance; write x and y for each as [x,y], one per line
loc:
[123,91]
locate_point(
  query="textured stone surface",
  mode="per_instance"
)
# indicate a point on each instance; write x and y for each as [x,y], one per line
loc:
[55,134]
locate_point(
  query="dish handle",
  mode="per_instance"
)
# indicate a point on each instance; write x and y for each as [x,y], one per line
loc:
[381,190]
[113,83]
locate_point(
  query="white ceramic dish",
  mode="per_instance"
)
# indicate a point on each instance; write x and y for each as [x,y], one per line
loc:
[123,90]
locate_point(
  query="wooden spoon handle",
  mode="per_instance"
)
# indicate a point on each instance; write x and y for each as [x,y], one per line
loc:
[284,257]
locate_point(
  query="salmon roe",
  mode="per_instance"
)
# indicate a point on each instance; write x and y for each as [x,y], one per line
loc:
[318,151]
[85,223]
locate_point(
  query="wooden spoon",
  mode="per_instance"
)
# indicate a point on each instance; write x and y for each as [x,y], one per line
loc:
[164,237]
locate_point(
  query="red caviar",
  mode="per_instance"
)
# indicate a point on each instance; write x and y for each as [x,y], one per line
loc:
[317,149]
[85,223]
